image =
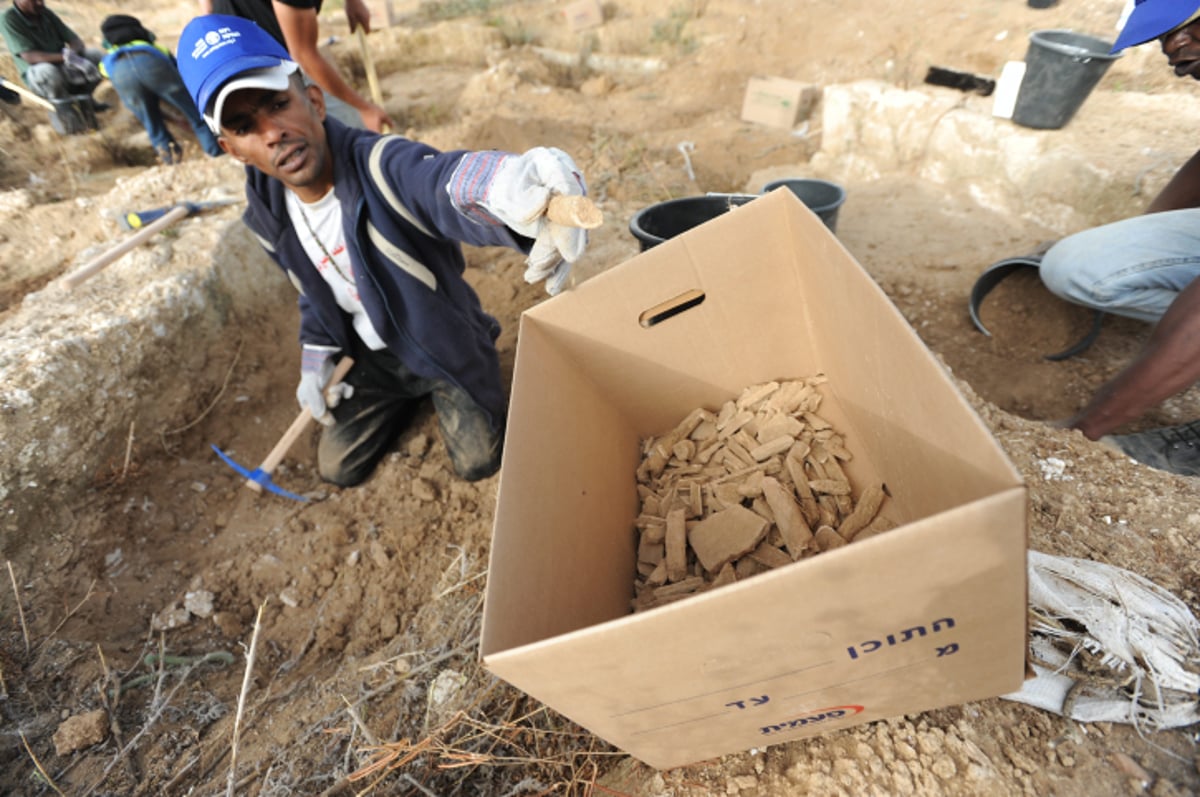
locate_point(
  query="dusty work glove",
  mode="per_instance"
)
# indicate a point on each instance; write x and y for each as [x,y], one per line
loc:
[316,367]
[518,194]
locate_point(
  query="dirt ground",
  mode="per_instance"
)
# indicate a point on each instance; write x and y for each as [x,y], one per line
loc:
[362,606]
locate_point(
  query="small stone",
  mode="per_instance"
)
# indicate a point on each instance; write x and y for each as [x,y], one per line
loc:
[379,554]
[447,684]
[290,597]
[424,490]
[80,731]
[726,535]
[174,616]
[417,446]
[199,603]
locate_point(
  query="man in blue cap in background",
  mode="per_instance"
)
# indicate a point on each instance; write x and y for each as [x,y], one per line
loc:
[1145,267]
[368,228]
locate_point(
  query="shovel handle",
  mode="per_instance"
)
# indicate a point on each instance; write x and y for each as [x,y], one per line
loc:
[296,429]
[104,260]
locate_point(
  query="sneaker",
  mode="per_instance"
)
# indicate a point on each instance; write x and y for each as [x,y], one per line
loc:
[1172,448]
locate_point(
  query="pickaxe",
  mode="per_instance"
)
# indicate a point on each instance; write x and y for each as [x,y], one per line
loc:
[260,477]
[154,220]
[136,220]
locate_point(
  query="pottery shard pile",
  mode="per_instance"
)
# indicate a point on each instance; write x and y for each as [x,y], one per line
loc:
[756,486]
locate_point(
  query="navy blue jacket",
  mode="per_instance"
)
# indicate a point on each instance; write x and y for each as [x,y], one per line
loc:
[403,235]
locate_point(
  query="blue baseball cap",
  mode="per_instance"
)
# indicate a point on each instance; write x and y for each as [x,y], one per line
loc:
[1150,19]
[220,54]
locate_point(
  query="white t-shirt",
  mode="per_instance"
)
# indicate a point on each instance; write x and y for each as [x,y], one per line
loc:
[319,227]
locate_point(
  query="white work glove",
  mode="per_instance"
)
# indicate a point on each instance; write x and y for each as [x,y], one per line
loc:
[518,196]
[316,367]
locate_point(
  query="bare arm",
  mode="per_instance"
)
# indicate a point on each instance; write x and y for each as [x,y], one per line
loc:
[300,31]
[1183,191]
[1168,364]
[40,57]
[205,6]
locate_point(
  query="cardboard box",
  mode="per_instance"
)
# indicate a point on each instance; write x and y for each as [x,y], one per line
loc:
[776,101]
[929,614]
[583,14]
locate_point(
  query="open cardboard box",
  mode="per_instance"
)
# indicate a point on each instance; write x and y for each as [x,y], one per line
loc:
[929,614]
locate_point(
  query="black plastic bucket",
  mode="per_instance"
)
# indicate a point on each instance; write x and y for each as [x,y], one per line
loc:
[820,196]
[654,224]
[1061,69]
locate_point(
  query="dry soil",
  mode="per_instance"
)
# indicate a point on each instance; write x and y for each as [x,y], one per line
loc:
[363,606]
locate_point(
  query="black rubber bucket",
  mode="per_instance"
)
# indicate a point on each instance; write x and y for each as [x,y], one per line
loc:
[820,196]
[654,224]
[1061,69]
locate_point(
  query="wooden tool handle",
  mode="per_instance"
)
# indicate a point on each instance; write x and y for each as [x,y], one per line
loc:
[369,66]
[574,211]
[101,262]
[297,428]
[372,75]
[29,95]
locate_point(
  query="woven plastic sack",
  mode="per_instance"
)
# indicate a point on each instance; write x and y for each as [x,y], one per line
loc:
[1109,646]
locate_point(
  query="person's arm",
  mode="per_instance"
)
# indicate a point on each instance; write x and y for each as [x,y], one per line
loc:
[40,57]
[70,39]
[1183,190]
[205,6]
[299,26]
[1168,364]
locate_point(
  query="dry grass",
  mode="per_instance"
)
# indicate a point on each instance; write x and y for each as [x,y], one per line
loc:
[472,734]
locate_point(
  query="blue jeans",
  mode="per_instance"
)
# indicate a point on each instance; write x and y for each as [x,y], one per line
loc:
[143,79]
[1134,267]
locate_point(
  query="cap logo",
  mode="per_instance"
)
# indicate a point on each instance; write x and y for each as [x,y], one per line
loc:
[213,41]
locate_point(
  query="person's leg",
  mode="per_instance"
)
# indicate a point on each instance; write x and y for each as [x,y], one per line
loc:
[1134,267]
[168,85]
[47,80]
[135,88]
[386,395]
[474,446]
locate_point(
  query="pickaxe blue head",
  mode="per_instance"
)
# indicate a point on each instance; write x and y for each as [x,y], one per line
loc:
[258,476]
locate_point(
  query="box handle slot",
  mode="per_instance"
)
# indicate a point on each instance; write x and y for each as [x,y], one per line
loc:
[671,307]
